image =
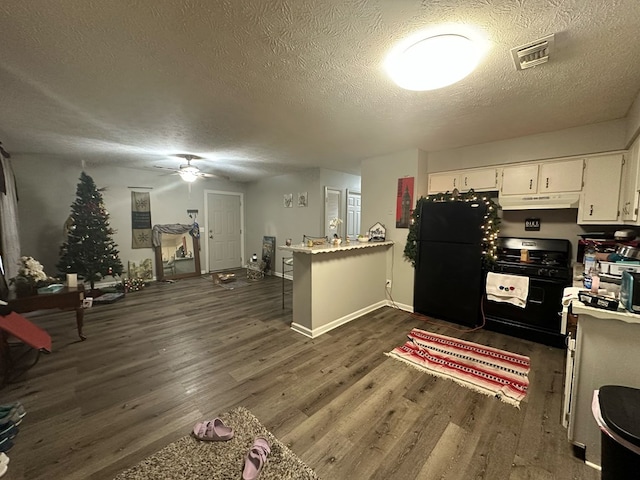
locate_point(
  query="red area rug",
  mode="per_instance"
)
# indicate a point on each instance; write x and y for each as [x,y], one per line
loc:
[487,370]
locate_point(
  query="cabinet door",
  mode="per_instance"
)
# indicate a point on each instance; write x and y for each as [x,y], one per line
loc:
[480,180]
[601,191]
[565,176]
[443,182]
[519,179]
[630,184]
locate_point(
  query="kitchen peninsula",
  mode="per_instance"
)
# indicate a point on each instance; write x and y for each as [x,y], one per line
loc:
[606,353]
[333,284]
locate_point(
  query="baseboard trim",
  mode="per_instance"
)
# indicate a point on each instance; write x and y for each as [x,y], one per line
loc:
[316,332]
[401,306]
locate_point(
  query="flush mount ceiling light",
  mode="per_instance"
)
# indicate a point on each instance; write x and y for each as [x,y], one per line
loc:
[433,62]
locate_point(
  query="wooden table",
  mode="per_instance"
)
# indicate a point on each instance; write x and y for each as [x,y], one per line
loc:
[69,298]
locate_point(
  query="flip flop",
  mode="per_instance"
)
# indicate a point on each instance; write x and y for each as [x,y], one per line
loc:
[212,431]
[255,459]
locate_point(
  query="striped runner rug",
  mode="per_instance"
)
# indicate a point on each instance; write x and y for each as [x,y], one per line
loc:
[486,370]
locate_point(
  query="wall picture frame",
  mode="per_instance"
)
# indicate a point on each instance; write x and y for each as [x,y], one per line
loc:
[287,200]
[302,199]
[404,202]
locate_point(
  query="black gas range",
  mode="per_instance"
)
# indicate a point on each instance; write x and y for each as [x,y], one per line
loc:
[547,264]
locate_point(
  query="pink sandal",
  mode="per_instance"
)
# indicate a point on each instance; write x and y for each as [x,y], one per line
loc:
[255,459]
[212,431]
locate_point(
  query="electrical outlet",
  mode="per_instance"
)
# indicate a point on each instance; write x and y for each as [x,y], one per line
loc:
[388,284]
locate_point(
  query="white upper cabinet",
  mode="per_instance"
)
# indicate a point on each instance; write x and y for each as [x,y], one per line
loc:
[519,179]
[563,176]
[601,192]
[630,185]
[443,182]
[482,180]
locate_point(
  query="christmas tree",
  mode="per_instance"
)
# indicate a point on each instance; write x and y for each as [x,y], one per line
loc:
[89,250]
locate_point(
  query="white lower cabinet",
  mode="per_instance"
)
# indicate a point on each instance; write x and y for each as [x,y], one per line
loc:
[601,192]
[606,353]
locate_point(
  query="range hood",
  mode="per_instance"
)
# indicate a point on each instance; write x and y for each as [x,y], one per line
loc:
[539,201]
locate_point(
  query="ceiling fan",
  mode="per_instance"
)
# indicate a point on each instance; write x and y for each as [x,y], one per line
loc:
[189,173]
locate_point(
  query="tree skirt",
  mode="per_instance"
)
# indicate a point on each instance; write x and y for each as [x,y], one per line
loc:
[189,458]
[487,370]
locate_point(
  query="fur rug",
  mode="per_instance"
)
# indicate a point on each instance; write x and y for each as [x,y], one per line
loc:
[189,458]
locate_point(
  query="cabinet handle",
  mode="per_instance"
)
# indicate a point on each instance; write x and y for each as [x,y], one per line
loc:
[530,183]
[454,183]
[547,182]
[591,210]
[465,181]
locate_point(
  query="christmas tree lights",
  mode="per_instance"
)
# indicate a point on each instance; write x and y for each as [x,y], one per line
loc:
[490,227]
[89,249]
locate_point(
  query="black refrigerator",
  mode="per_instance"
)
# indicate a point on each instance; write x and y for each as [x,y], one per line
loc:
[449,279]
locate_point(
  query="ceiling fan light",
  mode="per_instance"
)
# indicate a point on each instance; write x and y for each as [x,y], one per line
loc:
[188,175]
[433,62]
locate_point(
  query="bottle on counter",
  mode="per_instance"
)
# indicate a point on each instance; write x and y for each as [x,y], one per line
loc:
[595,279]
[590,266]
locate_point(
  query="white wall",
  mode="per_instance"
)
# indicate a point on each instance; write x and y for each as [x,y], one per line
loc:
[47,188]
[379,189]
[265,213]
[633,122]
[599,137]
[380,176]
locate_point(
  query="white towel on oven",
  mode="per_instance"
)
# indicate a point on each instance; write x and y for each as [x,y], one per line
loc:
[512,289]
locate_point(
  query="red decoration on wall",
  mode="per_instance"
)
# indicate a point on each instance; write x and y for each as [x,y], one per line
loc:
[404,202]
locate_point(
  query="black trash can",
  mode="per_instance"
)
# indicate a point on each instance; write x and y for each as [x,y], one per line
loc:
[620,425]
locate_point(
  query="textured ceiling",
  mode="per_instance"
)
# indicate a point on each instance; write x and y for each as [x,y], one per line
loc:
[261,87]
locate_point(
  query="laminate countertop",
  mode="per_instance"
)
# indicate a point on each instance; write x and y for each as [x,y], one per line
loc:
[330,248]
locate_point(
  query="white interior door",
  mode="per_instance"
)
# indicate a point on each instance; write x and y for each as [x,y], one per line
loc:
[354,205]
[332,201]
[224,230]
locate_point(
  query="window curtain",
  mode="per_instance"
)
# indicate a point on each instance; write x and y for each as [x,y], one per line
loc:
[9,237]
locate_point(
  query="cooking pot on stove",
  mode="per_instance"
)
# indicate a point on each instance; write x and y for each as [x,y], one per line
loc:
[628,251]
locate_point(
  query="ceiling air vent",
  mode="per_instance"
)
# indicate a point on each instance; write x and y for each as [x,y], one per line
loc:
[534,53]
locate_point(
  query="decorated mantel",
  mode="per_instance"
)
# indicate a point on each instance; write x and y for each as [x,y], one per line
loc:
[334,284]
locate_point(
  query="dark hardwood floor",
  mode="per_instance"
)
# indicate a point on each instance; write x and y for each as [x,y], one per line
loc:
[163,358]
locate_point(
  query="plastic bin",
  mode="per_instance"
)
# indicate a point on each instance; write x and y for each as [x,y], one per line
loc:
[617,412]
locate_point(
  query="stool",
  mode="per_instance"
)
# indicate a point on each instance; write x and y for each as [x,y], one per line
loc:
[287,266]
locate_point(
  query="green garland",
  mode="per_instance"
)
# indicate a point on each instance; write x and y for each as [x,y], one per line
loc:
[490,227]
